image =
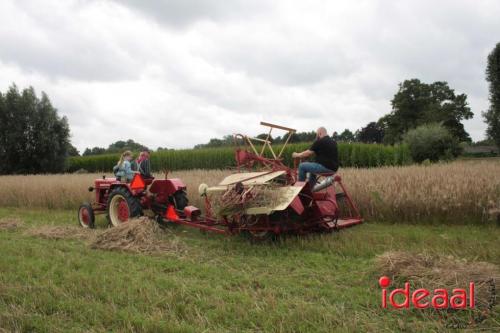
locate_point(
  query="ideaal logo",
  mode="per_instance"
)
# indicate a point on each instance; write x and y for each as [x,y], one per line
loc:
[423,298]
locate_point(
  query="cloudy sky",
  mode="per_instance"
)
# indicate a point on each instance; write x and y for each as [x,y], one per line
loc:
[176,73]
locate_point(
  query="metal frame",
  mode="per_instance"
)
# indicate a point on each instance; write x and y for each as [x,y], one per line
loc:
[249,141]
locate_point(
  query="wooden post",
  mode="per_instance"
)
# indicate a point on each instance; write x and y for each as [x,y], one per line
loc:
[267,138]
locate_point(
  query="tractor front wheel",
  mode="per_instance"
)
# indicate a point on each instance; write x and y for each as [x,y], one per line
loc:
[122,206]
[86,216]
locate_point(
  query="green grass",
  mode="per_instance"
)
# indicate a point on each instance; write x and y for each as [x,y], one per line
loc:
[221,284]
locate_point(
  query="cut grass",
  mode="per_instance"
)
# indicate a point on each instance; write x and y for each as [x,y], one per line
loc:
[219,284]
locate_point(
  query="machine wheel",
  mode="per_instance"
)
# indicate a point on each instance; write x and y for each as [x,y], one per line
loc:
[259,236]
[122,206]
[180,200]
[86,216]
[250,221]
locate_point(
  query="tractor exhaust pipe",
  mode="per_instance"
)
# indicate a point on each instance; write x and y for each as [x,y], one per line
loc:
[328,181]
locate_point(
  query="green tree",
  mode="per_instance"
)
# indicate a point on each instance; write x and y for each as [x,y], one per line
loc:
[371,133]
[72,151]
[347,136]
[492,116]
[433,142]
[117,147]
[417,103]
[94,151]
[306,136]
[214,142]
[33,138]
[120,146]
[263,136]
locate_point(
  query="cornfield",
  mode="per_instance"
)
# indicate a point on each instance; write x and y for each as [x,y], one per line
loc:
[350,155]
[456,192]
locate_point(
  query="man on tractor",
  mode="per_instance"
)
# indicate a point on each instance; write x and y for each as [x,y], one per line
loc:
[326,155]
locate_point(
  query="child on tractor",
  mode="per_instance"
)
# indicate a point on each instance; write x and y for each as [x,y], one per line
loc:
[123,170]
[143,165]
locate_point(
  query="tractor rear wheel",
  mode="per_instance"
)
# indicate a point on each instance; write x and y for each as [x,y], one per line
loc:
[86,216]
[180,200]
[122,206]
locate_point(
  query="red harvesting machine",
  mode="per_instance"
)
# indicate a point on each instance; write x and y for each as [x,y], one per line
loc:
[262,199]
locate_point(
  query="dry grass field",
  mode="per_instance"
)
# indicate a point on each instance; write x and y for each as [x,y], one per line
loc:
[461,191]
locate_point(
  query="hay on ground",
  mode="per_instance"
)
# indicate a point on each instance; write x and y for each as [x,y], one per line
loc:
[10,223]
[62,232]
[428,271]
[138,235]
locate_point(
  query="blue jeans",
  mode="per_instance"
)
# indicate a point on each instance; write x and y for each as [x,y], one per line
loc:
[311,168]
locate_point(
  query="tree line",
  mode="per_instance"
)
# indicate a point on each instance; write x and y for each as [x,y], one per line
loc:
[33,137]
[116,147]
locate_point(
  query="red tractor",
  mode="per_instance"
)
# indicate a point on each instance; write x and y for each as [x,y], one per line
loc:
[121,201]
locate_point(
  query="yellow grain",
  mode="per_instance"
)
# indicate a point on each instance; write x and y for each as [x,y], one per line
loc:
[459,190]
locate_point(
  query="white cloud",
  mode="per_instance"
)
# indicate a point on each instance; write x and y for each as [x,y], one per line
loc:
[176,73]
[181,13]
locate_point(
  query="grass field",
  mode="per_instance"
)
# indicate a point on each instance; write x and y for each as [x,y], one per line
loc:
[322,283]
[212,283]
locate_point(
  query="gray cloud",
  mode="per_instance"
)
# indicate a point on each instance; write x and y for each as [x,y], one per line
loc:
[180,13]
[302,64]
